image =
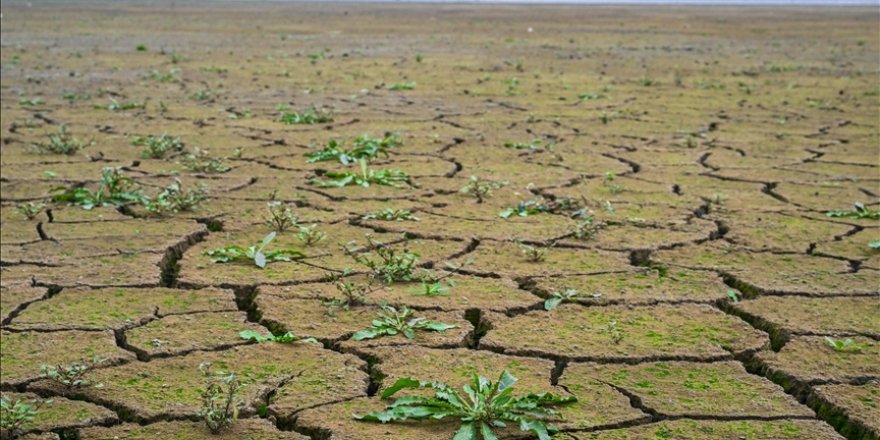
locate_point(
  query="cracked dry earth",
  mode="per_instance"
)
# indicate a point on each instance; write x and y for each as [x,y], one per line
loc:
[706,144]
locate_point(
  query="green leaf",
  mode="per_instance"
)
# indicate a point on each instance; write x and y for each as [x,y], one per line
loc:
[467,432]
[401,384]
[260,260]
[369,333]
[486,432]
[552,302]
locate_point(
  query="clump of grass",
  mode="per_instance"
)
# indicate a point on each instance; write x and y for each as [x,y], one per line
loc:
[391,214]
[200,161]
[386,263]
[156,147]
[402,86]
[60,143]
[280,217]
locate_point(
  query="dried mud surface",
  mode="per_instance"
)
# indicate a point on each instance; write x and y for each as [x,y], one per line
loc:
[705,145]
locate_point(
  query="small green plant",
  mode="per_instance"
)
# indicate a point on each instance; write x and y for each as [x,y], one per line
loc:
[483,407]
[391,214]
[481,188]
[533,254]
[174,199]
[533,145]
[310,235]
[587,228]
[389,264]
[859,211]
[287,338]
[614,331]
[75,376]
[310,116]
[280,217]
[140,48]
[220,402]
[254,254]
[363,147]
[732,295]
[512,86]
[610,185]
[16,415]
[647,82]
[432,285]
[114,190]
[60,143]
[30,209]
[845,346]
[403,86]
[157,147]
[200,161]
[390,322]
[203,95]
[571,207]
[556,298]
[874,244]
[365,178]
[352,295]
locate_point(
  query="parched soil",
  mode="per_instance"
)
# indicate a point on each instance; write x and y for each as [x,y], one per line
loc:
[667,228]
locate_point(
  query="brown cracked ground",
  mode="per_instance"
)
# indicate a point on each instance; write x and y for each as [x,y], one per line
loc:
[705,146]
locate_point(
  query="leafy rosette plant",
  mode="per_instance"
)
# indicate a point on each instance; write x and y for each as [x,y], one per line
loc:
[482,408]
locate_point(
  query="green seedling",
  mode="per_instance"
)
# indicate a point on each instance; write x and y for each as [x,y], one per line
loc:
[254,254]
[310,235]
[732,295]
[366,178]
[140,48]
[174,199]
[200,161]
[113,190]
[158,147]
[17,415]
[60,143]
[614,331]
[647,82]
[511,85]
[389,264]
[432,285]
[391,214]
[859,211]
[391,322]
[30,209]
[608,183]
[352,294]
[481,188]
[402,86]
[220,402]
[483,407]
[310,116]
[287,338]
[874,244]
[155,75]
[845,346]
[363,147]
[73,377]
[556,298]
[280,217]
[533,254]
[202,95]
[587,228]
